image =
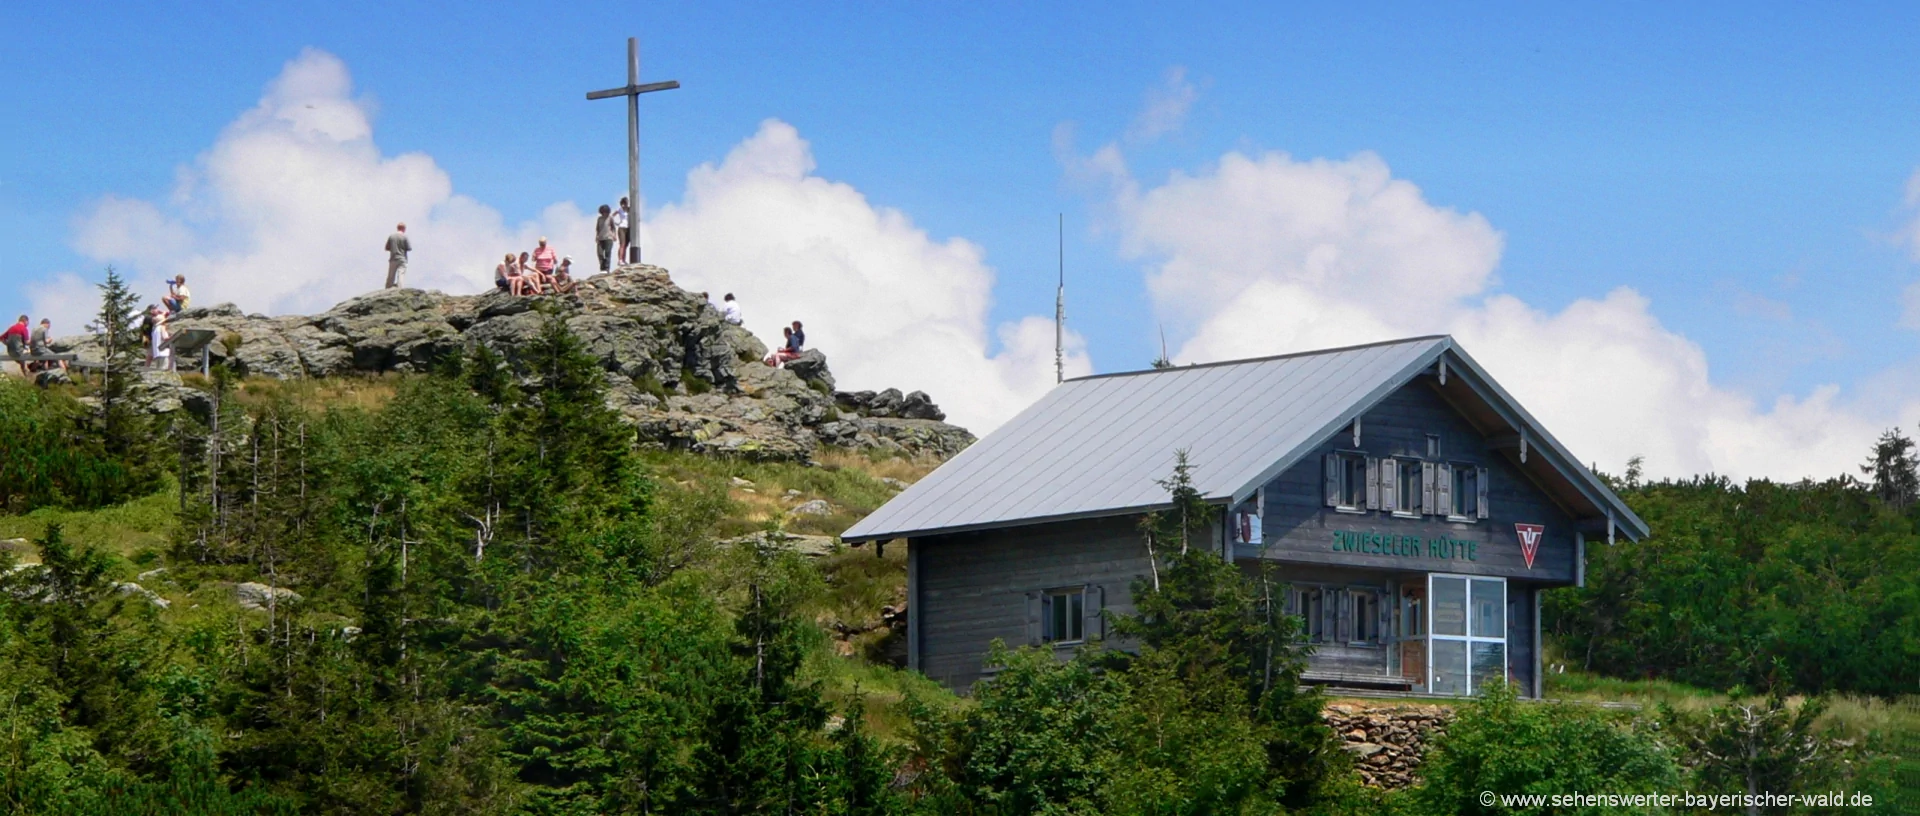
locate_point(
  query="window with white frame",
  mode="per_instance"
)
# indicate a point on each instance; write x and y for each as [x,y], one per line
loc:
[1467,633]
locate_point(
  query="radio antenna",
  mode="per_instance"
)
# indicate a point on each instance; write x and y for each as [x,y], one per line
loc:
[1060,309]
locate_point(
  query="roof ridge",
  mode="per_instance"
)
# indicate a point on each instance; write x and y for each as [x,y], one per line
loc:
[1270,358]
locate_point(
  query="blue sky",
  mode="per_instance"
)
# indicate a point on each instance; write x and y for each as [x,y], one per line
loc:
[1742,168]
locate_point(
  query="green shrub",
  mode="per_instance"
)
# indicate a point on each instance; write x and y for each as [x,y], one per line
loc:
[1499,744]
[52,460]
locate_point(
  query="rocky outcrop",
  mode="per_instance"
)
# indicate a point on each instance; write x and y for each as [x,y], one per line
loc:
[1387,742]
[889,404]
[681,375]
[256,596]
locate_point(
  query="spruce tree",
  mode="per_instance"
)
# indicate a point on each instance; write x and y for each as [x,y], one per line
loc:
[1894,469]
[123,431]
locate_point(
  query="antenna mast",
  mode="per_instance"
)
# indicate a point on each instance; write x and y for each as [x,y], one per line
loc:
[1060,309]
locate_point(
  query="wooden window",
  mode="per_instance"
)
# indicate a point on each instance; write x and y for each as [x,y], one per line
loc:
[1063,616]
[1408,483]
[1468,493]
[1311,605]
[1347,481]
[1433,446]
[1366,626]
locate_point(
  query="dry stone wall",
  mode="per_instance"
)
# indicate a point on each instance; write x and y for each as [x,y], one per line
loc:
[1388,742]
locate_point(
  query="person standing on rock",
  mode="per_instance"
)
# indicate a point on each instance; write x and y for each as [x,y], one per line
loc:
[397,248]
[603,237]
[730,309]
[620,229]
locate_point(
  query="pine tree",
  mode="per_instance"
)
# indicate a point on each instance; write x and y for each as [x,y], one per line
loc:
[1894,469]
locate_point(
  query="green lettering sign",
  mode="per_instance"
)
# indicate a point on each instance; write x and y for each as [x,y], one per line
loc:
[1404,546]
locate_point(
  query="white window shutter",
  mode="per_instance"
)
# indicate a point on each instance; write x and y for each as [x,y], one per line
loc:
[1092,626]
[1333,479]
[1481,480]
[1373,483]
[1426,488]
[1443,489]
[1390,485]
[1036,614]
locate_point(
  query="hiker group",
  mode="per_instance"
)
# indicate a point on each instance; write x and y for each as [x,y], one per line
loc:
[27,347]
[535,273]
[543,271]
[793,337]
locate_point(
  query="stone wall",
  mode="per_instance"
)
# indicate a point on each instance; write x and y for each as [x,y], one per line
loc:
[1387,741]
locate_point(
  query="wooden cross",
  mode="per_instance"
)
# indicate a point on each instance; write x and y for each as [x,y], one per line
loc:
[632,91]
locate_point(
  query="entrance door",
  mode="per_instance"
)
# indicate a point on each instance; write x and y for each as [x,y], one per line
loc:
[1467,640]
[1411,633]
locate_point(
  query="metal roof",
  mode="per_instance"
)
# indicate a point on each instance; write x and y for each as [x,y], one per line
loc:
[1094,446]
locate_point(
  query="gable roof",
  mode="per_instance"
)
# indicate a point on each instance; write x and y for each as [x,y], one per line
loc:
[1094,446]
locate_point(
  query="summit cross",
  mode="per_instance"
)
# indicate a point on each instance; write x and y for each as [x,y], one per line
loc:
[632,91]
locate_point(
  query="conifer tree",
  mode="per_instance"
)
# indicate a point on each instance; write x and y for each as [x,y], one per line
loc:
[1894,469]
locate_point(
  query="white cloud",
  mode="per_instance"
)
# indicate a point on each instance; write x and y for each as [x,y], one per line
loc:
[1263,253]
[67,300]
[888,304]
[1166,107]
[289,209]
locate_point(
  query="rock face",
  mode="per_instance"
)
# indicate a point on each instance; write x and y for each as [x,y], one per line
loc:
[1387,742]
[253,595]
[684,377]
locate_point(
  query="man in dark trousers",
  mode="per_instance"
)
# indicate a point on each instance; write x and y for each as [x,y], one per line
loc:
[397,248]
[603,237]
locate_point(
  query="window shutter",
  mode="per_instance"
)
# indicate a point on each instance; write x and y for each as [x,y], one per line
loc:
[1093,626]
[1344,633]
[1481,480]
[1426,488]
[1443,489]
[1390,485]
[1333,479]
[1373,483]
[1035,614]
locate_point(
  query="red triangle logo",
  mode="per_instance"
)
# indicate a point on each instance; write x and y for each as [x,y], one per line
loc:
[1530,535]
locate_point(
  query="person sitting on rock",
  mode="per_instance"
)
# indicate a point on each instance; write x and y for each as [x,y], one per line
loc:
[504,274]
[730,309]
[16,339]
[790,350]
[545,260]
[799,338]
[177,295]
[531,281]
[40,345]
[563,276]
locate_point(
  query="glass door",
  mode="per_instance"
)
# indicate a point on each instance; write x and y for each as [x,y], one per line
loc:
[1467,640]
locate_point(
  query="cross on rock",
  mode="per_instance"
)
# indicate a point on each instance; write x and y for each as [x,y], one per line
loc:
[632,91]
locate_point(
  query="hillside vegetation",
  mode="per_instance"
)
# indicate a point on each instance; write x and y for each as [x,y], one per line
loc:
[472,591]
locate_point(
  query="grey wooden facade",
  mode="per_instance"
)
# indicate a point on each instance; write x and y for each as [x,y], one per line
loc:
[1381,579]
[975,588]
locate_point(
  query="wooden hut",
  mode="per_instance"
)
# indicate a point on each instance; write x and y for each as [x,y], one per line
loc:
[1414,509]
